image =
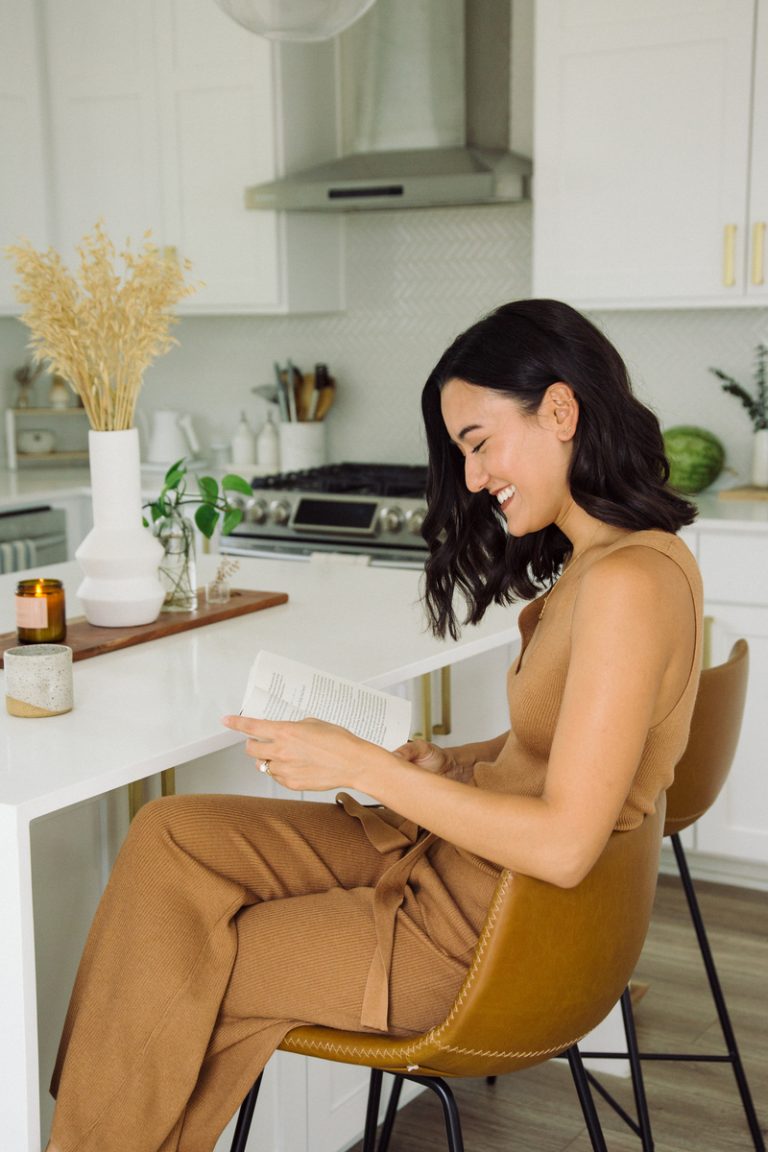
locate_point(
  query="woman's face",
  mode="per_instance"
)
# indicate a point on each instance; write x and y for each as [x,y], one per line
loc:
[521,459]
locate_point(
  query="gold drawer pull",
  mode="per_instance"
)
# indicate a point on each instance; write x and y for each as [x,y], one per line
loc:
[444,727]
[758,251]
[729,255]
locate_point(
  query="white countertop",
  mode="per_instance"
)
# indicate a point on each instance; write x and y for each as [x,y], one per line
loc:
[150,707]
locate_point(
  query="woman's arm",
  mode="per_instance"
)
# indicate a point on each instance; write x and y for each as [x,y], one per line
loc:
[631,649]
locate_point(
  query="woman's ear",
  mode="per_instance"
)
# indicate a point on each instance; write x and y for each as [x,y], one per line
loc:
[562,408]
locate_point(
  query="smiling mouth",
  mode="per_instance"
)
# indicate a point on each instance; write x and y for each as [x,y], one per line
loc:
[504,495]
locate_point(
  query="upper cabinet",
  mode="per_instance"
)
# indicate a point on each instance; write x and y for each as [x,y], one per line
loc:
[23,202]
[161,112]
[651,151]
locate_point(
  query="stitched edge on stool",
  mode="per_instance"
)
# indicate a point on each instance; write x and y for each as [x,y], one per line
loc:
[433,1036]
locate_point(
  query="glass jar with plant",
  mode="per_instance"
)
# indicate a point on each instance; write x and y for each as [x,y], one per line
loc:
[756,405]
[176,532]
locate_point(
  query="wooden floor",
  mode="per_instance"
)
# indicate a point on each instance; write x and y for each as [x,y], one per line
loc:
[694,1108]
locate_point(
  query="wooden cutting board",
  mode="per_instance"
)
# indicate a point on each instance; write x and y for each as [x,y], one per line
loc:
[743,494]
[88,640]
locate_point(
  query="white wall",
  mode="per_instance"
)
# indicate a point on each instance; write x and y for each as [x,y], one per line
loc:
[415,279]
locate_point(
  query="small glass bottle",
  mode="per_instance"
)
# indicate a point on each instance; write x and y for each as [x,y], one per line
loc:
[40,611]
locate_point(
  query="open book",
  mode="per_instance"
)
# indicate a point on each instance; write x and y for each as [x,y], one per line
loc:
[282,689]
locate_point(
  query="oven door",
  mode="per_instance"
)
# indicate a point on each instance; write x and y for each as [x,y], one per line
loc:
[261,547]
[32,536]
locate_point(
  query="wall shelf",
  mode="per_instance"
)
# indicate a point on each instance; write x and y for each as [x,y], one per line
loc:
[74,450]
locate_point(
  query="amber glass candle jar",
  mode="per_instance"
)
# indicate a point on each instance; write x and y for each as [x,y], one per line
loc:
[40,614]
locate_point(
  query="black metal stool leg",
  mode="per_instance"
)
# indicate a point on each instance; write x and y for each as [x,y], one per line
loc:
[585,1099]
[636,1068]
[450,1110]
[244,1118]
[717,995]
[372,1111]
[391,1114]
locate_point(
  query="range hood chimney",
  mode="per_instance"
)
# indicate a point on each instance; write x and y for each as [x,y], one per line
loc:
[410,66]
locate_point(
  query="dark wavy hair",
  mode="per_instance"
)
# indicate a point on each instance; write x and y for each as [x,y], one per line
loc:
[618,471]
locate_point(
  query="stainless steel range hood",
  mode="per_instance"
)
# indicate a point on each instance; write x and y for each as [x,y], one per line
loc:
[432,76]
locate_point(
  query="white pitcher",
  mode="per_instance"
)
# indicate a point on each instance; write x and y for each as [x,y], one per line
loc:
[170,437]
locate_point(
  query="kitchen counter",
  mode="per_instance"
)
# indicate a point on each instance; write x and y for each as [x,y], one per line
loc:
[158,705]
[30,485]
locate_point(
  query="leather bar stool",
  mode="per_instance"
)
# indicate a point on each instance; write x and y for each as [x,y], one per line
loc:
[549,965]
[699,778]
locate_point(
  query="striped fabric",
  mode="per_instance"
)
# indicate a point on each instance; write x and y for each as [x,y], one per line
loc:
[17,554]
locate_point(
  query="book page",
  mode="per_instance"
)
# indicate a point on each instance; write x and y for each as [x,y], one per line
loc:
[282,689]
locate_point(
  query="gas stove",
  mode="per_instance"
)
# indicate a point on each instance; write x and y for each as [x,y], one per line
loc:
[373,510]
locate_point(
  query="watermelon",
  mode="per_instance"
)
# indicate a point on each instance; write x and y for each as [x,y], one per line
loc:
[696,457]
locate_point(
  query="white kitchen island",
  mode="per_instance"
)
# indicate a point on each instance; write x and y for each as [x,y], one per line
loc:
[155,706]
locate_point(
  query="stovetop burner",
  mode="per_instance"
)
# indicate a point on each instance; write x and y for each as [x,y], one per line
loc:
[402,480]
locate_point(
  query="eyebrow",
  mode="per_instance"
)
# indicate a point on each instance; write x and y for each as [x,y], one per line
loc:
[469,428]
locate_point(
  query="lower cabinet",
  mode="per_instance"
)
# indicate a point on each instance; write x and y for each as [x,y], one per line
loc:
[733,564]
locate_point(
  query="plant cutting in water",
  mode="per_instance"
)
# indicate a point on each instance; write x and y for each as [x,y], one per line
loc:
[176,533]
[756,404]
[210,498]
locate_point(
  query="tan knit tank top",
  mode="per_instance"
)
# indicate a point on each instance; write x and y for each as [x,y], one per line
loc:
[536,683]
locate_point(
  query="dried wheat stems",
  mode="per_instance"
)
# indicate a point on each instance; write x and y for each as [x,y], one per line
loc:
[101,330]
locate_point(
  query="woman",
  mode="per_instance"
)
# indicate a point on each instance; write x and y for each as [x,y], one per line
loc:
[229,919]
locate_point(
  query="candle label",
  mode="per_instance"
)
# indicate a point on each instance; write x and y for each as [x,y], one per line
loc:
[31,612]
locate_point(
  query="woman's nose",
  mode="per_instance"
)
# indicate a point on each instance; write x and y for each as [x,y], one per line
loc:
[475,475]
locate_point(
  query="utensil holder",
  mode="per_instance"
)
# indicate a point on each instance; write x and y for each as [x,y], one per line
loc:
[302,446]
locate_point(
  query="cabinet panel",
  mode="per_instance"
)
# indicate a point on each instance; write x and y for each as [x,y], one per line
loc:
[642,148]
[104,131]
[757,286]
[737,824]
[733,566]
[217,140]
[23,199]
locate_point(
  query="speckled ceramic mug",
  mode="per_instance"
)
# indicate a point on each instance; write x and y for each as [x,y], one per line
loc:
[38,680]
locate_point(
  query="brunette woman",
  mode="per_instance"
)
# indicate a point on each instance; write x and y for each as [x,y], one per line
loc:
[229,919]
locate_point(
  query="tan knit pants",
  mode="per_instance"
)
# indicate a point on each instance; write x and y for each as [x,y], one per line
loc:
[226,921]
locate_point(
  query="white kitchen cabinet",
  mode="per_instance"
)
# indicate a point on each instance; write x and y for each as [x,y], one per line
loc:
[23,200]
[651,151]
[733,566]
[161,114]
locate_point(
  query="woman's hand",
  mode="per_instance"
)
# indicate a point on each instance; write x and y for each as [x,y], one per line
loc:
[307,755]
[441,761]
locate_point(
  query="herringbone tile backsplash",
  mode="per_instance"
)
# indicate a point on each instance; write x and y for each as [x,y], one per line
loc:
[414,280]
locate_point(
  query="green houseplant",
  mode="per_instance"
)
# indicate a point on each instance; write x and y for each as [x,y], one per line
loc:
[176,532]
[756,405]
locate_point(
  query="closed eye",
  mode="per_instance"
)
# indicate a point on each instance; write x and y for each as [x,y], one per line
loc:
[477,447]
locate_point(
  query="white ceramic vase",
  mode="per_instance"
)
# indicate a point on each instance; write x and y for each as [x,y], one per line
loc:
[119,556]
[760,458]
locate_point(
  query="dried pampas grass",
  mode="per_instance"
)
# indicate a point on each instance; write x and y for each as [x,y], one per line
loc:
[100,332]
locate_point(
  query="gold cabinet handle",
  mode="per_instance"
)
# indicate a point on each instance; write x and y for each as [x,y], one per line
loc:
[758,251]
[444,727]
[729,255]
[426,708]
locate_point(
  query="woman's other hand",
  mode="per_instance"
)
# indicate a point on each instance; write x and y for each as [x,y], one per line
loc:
[441,761]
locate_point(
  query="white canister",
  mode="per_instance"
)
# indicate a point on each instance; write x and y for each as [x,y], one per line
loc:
[38,680]
[243,443]
[302,445]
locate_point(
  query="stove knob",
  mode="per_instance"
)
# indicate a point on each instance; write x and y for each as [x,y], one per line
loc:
[391,520]
[415,520]
[280,511]
[255,511]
